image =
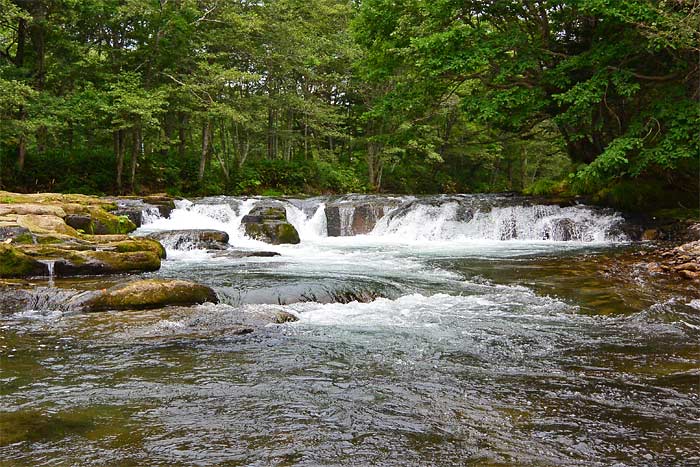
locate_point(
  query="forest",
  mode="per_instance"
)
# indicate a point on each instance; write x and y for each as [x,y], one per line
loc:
[545,97]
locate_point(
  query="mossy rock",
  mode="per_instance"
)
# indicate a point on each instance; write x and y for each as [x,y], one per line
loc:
[275,233]
[15,263]
[208,239]
[81,260]
[100,222]
[15,233]
[141,244]
[286,233]
[151,293]
[111,262]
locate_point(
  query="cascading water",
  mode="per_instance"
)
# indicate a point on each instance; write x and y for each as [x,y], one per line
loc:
[309,227]
[408,219]
[452,221]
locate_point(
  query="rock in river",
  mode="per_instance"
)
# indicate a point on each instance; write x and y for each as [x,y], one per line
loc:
[151,293]
[269,224]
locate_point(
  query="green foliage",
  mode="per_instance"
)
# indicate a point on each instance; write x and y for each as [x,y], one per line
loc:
[546,187]
[290,96]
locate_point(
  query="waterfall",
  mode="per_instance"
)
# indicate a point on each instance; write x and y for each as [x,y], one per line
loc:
[455,221]
[210,214]
[50,265]
[429,218]
[309,227]
[150,214]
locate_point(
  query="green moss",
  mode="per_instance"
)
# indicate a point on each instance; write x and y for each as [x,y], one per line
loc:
[105,223]
[33,426]
[127,262]
[255,231]
[15,263]
[24,239]
[286,233]
[546,187]
[48,240]
[129,246]
[151,293]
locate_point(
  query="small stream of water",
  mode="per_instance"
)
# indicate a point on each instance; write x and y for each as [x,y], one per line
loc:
[453,330]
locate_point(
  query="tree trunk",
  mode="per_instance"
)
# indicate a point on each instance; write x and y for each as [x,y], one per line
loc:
[206,131]
[21,152]
[21,41]
[182,136]
[119,154]
[135,151]
[374,166]
[306,137]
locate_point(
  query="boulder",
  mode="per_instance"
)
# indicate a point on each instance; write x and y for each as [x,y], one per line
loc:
[269,224]
[650,234]
[131,245]
[562,230]
[75,259]
[15,263]
[150,293]
[97,221]
[354,217]
[365,218]
[347,219]
[195,239]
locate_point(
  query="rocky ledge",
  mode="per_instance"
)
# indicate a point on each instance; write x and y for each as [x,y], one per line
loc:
[66,235]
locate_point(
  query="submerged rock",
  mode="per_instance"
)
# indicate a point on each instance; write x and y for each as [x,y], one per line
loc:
[235,254]
[151,293]
[269,224]
[204,239]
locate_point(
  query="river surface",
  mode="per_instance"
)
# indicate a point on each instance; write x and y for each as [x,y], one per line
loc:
[473,330]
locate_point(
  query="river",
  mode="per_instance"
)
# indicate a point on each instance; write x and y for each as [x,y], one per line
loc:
[454,330]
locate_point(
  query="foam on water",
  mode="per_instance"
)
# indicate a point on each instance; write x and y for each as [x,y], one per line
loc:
[309,227]
[450,221]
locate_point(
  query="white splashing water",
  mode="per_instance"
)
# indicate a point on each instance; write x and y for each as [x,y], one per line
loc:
[447,221]
[150,215]
[309,227]
[553,223]
[189,215]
